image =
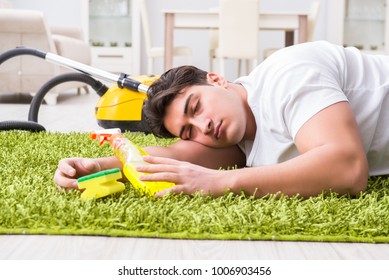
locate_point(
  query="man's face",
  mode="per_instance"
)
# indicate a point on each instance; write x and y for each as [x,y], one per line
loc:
[208,114]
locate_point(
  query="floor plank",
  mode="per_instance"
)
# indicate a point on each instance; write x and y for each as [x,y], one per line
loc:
[49,247]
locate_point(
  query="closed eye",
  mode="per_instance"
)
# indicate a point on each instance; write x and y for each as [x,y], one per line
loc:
[190,133]
[186,133]
[197,107]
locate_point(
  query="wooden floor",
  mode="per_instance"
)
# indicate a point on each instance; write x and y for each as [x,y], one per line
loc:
[40,247]
[75,113]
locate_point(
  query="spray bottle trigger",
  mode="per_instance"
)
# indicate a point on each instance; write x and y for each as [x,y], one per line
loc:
[103,135]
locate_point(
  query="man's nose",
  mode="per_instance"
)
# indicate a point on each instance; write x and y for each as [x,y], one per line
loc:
[204,125]
[207,126]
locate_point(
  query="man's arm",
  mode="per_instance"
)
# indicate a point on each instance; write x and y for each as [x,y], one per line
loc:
[193,152]
[332,158]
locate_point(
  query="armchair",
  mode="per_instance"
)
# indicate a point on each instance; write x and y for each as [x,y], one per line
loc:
[25,74]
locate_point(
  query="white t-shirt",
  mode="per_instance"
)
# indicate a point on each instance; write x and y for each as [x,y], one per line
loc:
[295,83]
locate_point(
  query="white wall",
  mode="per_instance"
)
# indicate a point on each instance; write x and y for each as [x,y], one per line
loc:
[68,12]
[57,12]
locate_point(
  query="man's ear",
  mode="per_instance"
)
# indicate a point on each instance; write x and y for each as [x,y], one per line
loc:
[216,79]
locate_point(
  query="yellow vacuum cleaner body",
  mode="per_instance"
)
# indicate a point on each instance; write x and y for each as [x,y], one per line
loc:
[119,106]
[122,108]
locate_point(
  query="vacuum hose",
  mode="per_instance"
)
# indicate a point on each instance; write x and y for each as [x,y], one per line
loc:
[21,51]
[32,123]
[21,125]
[98,86]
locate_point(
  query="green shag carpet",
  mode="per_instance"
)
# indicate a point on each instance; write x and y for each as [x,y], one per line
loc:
[31,204]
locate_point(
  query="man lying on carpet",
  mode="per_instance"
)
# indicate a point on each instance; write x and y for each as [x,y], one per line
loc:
[310,118]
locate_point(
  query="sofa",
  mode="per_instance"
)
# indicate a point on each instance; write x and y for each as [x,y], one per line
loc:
[26,74]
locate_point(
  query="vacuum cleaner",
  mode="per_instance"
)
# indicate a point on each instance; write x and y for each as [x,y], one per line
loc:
[119,106]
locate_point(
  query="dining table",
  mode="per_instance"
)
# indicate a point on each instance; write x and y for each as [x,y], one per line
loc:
[288,22]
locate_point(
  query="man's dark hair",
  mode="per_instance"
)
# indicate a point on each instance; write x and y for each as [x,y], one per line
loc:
[162,92]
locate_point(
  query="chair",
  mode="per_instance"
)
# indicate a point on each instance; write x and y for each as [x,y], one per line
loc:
[26,74]
[213,45]
[312,19]
[213,42]
[238,32]
[153,52]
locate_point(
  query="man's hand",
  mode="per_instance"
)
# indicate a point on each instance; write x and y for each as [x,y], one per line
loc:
[189,178]
[70,169]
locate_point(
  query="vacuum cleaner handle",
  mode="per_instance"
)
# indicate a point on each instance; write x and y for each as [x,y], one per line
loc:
[122,80]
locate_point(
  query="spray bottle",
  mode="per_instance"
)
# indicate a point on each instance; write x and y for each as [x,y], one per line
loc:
[131,156]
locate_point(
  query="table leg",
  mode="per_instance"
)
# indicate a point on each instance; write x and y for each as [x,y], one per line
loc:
[169,30]
[303,29]
[289,38]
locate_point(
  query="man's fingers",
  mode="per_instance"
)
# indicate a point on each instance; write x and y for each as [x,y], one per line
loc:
[64,182]
[160,160]
[177,189]
[90,165]
[66,169]
[160,177]
[156,168]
